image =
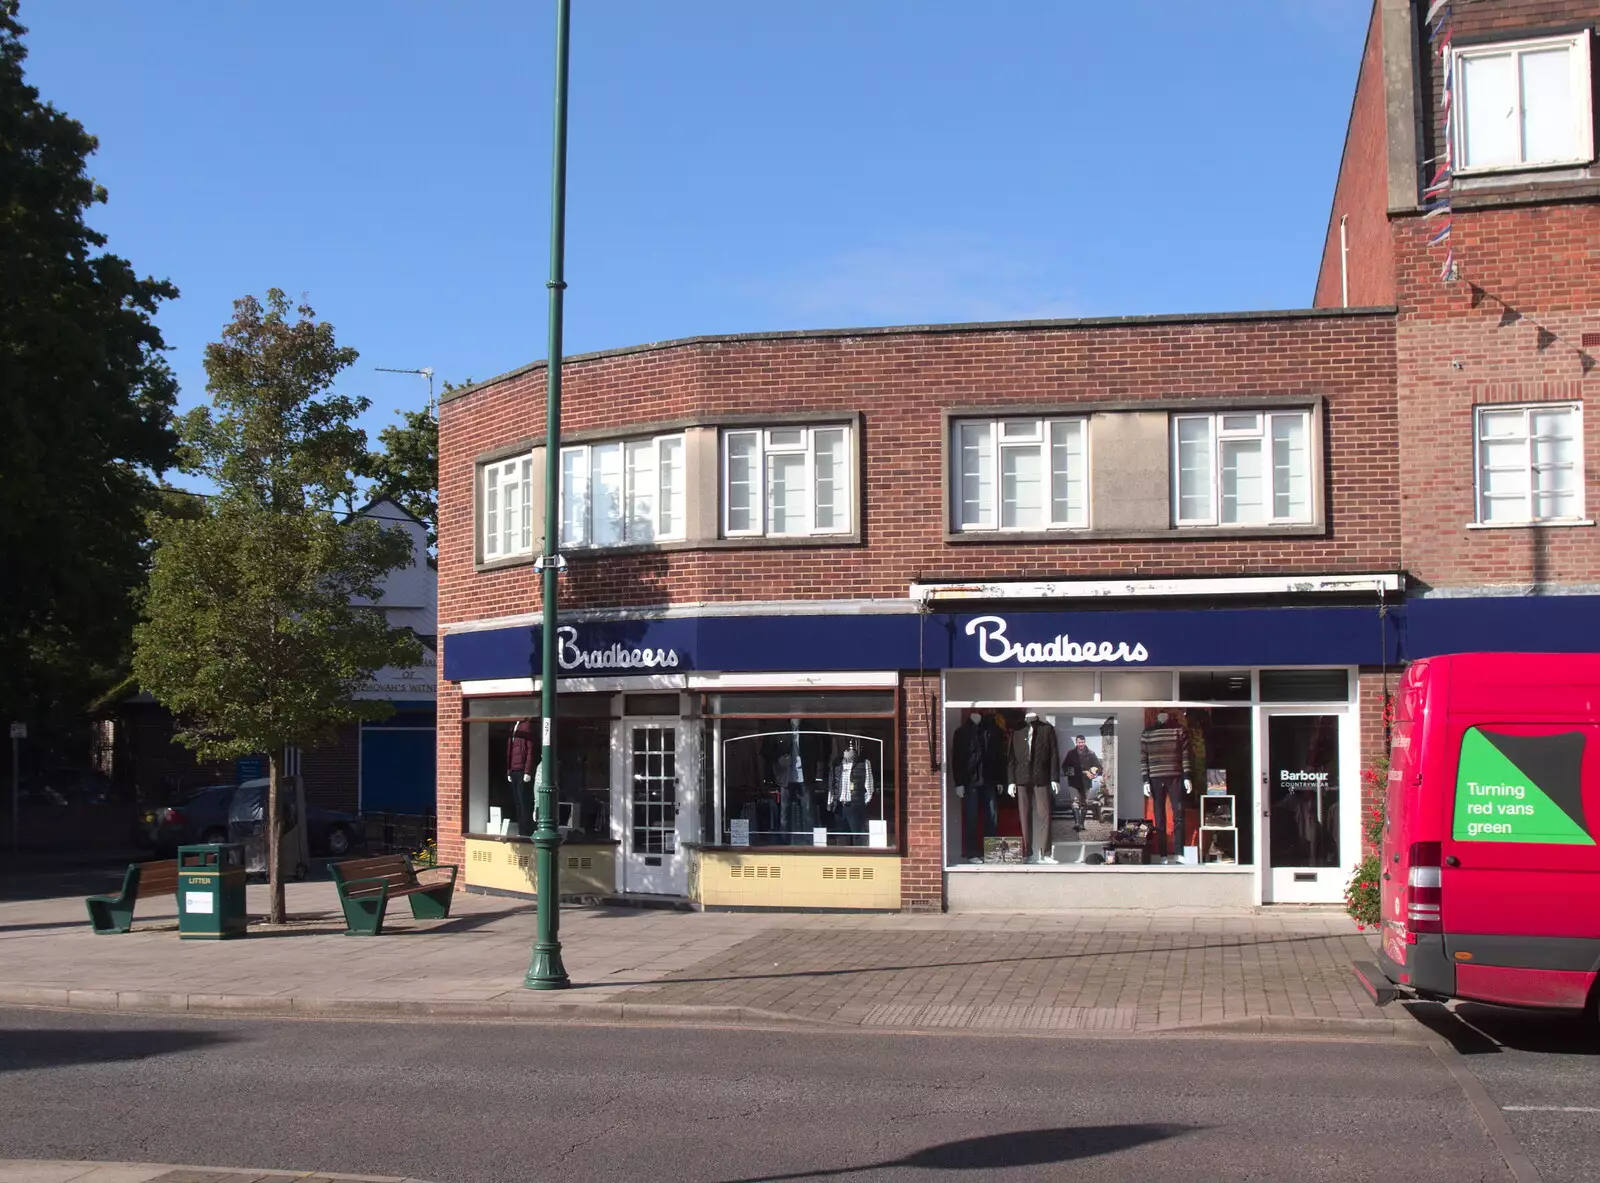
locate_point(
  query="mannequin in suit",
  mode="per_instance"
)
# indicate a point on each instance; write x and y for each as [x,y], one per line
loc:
[977,769]
[1035,765]
[1167,767]
[850,790]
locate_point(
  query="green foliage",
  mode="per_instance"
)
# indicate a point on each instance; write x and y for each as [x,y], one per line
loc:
[408,467]
[250,634]
[86,403]
[1363,898]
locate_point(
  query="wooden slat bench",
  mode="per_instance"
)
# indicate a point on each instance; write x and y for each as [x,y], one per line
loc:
[114,913]
[366,885]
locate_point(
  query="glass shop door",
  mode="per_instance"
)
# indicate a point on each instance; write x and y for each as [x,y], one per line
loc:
[653,858]
[1308,786]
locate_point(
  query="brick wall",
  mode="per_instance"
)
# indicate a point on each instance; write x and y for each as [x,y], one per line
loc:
[1373,739]
[1509,330]
[900,383]
[1361,194]
[452,792]
[332,773]
[922,872]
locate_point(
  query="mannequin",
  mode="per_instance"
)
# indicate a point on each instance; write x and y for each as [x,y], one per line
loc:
[522,760]
[850,789]
[977,768]
[1035,763]
[794,799]
[1164,760]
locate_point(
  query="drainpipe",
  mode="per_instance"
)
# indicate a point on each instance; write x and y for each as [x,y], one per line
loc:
[1344,262]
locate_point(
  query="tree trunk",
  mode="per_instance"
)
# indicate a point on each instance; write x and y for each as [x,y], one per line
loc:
[275,908]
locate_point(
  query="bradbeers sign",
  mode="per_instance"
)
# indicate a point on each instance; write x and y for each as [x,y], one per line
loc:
[996,648]
[611,657]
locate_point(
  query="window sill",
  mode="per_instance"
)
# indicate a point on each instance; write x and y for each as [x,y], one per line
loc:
[1556,524]
[807,851]
[1170,534]
[503,564]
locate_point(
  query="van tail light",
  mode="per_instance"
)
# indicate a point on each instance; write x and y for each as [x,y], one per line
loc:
[1424,890]
[172,817]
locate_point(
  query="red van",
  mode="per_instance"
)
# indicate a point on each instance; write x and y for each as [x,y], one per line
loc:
[1491,869]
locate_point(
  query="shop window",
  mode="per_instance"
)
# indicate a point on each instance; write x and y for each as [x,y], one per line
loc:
[507,501]
[1058,685]
[500,804]
[1020,474]
[807,770]
[623,493]
[650,704]
[983,686]
[1305,685]
[786,481]
[1523,104]
[1208,686]
[1136,685]
[1246,468]
[1530,466]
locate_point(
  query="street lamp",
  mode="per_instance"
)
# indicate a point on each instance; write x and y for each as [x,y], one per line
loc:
[546,972]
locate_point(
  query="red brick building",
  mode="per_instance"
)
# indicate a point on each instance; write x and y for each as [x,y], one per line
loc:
[800,565]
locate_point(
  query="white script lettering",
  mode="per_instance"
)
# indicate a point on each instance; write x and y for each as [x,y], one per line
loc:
[995,647]
[613,657]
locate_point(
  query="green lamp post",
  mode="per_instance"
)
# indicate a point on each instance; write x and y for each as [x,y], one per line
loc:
[546,972]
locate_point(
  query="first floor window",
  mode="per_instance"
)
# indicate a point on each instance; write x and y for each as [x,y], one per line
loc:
[1242,468]
[1530,463]
[621,493]
[1020,474]
[507,508]
[786,481]
[1523,104]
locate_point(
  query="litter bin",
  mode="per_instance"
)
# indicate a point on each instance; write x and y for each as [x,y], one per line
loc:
[211,892]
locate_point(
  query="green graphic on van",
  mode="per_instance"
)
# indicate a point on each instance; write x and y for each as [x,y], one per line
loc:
[1521,788]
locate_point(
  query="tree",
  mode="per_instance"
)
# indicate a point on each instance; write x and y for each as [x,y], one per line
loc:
[85,412]
[408,467]
[250,633]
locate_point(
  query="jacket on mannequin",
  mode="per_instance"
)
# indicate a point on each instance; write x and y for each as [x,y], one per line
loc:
[1035,755]
[850,781]
[1164,751]
[977,755]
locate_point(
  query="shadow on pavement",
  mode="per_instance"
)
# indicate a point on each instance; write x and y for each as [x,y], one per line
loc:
[44,925]
[1477,1029]
[26,1048]
[1023,1148]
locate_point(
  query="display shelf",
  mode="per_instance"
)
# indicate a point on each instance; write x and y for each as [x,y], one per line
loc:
[1216,812]
[1219,844]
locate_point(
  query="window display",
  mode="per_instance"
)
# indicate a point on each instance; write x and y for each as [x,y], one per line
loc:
[503,755]
[804,770]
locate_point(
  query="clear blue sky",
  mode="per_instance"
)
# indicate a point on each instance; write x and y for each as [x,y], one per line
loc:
[736,165]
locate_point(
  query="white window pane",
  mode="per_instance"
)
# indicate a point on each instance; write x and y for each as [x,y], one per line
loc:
[525,539]
[574,496]
[1242,486]
[1067,493]
[1291,469]
[1554,452]
[671,489]
[1553,422]
[743,477]
[1547,115]
[786,437]
[1556,505]
[1021,487]
[606,489]
[1194,470]
[491,512]
[1232,423]
[640,524]
[976,466]
[1489,109]
[1502,424]
[831,495]
[1021,430]
[786,493]
[1505,509]
[510,509]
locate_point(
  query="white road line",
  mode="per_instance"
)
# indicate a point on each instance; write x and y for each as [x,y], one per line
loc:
[1549,1109]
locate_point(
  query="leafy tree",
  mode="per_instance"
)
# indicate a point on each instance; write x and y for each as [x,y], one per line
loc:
[250,635]
[408,467]
[85,412]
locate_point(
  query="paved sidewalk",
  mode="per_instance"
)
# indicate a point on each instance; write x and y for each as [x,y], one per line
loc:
[28,1170]
[1099,971]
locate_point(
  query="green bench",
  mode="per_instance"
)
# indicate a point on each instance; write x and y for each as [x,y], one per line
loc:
[367,885]
[114,913]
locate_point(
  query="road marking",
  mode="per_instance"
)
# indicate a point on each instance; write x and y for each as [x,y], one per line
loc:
[1550,1109]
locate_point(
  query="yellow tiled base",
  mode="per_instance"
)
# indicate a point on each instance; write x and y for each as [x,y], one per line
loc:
[721,879]
[509,866]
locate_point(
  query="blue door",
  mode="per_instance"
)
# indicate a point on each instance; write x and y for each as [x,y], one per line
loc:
[397,770]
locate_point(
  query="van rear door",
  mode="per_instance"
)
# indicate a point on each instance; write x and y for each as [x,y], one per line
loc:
[1521,876]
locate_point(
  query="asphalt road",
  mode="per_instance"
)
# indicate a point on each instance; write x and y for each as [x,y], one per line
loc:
[463,1103]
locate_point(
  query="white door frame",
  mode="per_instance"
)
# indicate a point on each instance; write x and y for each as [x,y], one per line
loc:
[1278,884]
[669,875]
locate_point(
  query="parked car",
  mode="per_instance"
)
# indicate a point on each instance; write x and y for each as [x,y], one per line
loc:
[69,786]
[202,816]
[199,816]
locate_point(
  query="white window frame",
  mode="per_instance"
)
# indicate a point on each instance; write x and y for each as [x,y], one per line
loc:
[493,539]
[1479,497]
[584,453]
[1010,432]
[844,493]
[1218,436]
[1581,133]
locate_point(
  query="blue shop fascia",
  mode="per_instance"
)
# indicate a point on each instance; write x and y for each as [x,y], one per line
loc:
[767,755]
